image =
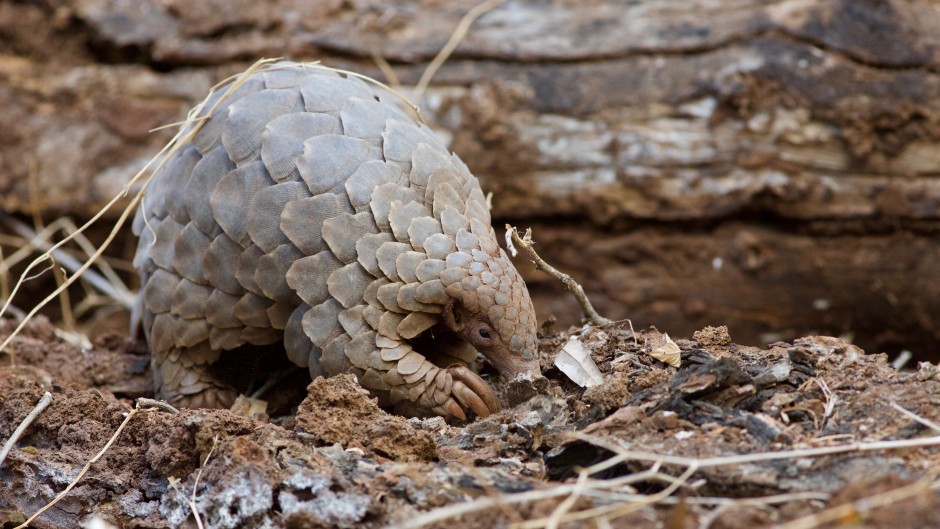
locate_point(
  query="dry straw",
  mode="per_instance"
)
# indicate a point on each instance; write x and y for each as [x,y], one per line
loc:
[156,163]
[620,499]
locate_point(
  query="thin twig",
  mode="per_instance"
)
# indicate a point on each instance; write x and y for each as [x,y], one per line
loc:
[40,406]
[594,488]
[712,500]
[562,508]
[191,501]
[923,421]
[459,33]
[17,312]
[625,454]
[143,405]
[459,509]
[526,244]
[861,505]
[618,509]
[694,464]
[144,402]
[65,301]
[390,77]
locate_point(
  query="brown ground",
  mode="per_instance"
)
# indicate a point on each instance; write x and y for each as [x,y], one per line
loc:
[769,166]
[340,461]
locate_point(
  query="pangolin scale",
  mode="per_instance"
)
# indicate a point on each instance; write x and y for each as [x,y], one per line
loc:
[311,211]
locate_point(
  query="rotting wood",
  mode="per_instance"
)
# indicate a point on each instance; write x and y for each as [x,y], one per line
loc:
[780,115]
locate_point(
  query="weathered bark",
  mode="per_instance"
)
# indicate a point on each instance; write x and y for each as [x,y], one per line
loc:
[770,283]
[673,129]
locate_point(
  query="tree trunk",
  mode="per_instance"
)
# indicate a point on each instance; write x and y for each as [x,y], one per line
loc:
[771,166]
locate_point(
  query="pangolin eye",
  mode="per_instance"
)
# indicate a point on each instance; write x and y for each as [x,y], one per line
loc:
[485,334]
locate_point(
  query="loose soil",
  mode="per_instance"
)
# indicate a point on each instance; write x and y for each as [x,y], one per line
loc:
[337,460]
[771,168]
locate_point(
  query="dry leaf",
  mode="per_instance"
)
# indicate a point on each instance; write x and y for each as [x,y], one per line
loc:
[575,360]
[665,350]
[250,407]
[596,338]
[509,245]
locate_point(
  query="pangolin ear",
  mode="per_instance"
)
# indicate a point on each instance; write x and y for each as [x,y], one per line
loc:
[453,317]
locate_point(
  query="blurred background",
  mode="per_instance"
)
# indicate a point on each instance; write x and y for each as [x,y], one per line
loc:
[769,166]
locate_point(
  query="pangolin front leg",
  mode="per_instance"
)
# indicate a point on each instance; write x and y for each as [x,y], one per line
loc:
[416,383]
[186,375]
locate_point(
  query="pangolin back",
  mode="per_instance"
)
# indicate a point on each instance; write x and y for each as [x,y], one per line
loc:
[310,210]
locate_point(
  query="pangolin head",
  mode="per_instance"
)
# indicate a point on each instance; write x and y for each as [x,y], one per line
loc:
[490,308]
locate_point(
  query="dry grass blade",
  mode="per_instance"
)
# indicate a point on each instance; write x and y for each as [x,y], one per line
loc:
[634,502]
[65,301]
[631,455]
[831,400]
[882,499]
[607,489]
[390,76]
[617,510]
[43,403]
[25,242]
[105,265]
[459,33]
[4,278]
[191,501]
[414,108]
[562,509]
[156,164]
[461,509]
[923,421]
[853,509]
[108,282]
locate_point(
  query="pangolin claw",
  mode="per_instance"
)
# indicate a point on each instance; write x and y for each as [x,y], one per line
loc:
[450,409]
[464,391]
[470,399]
[477,387]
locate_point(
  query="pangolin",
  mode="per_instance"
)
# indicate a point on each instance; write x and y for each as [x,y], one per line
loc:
[310,210]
